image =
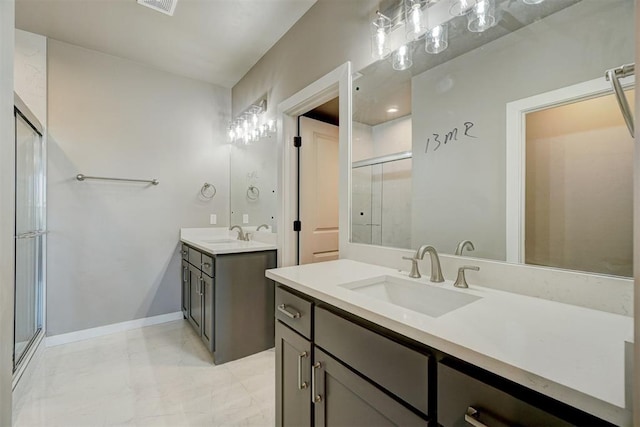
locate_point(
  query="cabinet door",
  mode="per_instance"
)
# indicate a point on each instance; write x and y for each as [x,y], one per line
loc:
[185,288]
[208,295]
[293,378]
[343,398]
[195,298]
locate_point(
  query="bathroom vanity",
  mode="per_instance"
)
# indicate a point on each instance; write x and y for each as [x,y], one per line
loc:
[225,294]
[350,352]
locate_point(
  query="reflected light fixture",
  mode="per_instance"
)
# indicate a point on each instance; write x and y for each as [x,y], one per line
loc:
[460,7]
[380,29]
[437,39]
[392,110]
[414,18]
[401,59]
[250,125]
[482,16]
[532,1]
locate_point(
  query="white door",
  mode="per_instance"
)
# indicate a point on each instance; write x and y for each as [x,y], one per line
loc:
[318,191]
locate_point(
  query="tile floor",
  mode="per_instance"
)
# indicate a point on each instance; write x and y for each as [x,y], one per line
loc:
[155,376]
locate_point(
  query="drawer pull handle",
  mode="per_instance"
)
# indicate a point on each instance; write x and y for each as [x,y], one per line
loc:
[471,417]
[282,308]
[206,265]
[315,398]
[302,385]
[201,281]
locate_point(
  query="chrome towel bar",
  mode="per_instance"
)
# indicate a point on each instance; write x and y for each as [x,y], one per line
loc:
[81,177]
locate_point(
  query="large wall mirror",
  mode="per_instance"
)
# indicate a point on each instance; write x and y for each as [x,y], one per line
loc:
[253,182]
[433,144]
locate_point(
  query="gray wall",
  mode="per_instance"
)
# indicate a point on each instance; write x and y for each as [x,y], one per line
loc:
[465,197]
[113,246]
[331,33]
[7,13]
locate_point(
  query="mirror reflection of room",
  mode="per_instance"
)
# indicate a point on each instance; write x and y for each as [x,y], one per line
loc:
[447,108]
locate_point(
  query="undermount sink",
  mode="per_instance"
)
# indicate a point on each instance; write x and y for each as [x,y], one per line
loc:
[217,241]
[417,296]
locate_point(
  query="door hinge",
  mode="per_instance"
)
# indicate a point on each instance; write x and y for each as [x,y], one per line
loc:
[297,226]
[297,141]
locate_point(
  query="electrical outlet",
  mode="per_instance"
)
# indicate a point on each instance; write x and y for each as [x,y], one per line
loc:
[213,219]
[245,218]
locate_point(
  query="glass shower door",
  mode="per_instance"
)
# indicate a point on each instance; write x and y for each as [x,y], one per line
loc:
[29,232]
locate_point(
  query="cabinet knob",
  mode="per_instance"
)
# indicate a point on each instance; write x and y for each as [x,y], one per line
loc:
[206,265]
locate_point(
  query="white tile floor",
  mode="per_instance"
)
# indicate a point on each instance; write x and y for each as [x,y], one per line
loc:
[156,376]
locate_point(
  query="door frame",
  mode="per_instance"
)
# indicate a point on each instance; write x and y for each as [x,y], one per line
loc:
[335,83]
[516,151]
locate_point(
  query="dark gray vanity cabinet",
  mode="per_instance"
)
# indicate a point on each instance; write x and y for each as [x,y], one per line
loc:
[293,369]
[326,375]
[336,369]
[229,301]
[343,398]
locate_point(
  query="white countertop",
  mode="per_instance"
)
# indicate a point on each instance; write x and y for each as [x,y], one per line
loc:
[573,354]
[219,241]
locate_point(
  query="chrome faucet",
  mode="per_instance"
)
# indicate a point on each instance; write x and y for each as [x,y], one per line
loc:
[465,244]
[436,270]
[461,280]
[241,234]
[262,225]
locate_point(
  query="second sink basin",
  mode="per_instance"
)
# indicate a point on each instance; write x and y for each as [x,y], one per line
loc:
[413,295]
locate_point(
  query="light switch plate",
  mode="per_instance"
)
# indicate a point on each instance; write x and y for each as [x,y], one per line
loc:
[245,218]
[213,219]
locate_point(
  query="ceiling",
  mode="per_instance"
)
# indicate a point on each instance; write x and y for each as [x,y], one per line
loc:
[216,41]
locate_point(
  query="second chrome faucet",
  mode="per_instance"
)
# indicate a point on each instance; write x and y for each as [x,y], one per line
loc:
[436,270]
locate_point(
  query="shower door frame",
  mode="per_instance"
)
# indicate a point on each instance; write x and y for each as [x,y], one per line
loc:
[21,109]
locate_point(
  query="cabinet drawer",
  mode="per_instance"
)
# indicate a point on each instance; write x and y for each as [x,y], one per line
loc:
[460,396]
[399,369]
[195,258]
[184,251]
[208,267]
[294,311]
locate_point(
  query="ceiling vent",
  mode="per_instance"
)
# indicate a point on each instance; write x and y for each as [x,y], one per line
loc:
[165,6]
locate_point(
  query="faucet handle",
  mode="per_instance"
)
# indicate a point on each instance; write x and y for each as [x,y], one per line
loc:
[461,280]
[415,271]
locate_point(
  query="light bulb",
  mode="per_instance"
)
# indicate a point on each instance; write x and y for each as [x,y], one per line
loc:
[380,28]
[402,58]
[254,119]
[414,18]
[437,39]
[482,17]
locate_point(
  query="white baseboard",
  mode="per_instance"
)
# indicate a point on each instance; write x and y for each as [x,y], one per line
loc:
[111,329]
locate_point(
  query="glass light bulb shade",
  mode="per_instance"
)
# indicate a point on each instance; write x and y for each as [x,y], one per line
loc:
[482,16]
[380,29]
[402,58]
[532,1]
[271,125]
[437,39]
[415,18]
[255,119]
[460,7]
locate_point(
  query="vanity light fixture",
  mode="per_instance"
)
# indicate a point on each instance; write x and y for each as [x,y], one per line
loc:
[482,16]
[402,59]
[250,125]
[380,29]
[437,39]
